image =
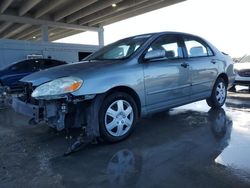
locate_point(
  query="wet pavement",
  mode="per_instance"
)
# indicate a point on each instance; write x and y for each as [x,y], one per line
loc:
[189,146]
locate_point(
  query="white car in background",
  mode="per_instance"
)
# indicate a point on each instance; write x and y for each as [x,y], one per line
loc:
[242,70]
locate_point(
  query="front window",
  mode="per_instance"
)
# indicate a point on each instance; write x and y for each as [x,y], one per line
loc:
[170,45]
[120,50]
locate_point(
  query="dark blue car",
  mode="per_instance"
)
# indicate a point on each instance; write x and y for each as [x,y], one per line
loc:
[10,75]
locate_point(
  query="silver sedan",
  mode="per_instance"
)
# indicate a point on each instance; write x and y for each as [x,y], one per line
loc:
[108,91]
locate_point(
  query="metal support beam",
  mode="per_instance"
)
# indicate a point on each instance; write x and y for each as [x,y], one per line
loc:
[73,8]
[110,10]
[29,4]
[47,7]
[127,11]
[33,21]
[4,5]
[43,9]
[27,32]
[35,32]
[4,26]
[91,9]
[45,33]
[14,30]
[5,33]
[136,11]
[101,36]
[58,34]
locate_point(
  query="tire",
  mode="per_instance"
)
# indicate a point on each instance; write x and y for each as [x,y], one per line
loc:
[117,117]
[219,94]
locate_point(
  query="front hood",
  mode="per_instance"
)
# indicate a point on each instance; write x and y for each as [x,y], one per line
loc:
[75,69]
[242,66]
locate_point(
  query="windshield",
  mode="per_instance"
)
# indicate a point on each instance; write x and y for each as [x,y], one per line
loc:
[119,50]
[245,59]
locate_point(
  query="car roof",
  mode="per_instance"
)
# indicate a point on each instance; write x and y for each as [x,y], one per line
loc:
[163,33]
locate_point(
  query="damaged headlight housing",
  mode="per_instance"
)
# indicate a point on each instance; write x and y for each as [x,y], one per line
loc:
[57,88]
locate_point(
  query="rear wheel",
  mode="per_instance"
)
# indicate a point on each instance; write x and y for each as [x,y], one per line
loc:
[219,94]
[117,117]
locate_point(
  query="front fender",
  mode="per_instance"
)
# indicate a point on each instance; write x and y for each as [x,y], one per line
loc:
[101,83]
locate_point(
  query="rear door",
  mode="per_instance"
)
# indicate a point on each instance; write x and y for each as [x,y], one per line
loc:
[166,79]
[203,66]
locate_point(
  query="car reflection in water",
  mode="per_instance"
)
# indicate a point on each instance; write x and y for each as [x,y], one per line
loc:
[171,154]
[236,156]
[123,167]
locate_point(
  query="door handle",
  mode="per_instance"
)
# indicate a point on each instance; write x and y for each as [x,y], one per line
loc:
[213,61]
[185,65]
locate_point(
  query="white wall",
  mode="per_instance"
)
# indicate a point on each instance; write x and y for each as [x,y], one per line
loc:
[14,50]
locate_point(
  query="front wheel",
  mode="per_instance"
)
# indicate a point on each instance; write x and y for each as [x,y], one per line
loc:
[117,117]
[219,94]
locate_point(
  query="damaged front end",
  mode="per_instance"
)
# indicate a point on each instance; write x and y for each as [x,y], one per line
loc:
[65,113]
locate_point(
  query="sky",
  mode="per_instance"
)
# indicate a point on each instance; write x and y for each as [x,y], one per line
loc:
[222,22]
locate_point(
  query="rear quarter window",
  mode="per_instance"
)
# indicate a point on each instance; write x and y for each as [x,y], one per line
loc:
[197,48]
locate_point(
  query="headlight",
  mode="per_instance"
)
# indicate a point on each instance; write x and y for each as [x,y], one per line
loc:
[57,88]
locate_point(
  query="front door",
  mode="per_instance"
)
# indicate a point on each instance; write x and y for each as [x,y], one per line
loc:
[167,78]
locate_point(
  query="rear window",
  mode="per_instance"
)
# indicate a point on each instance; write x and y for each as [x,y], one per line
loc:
[197,48]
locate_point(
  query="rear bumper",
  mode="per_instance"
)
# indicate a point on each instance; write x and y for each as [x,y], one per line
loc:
[244,81]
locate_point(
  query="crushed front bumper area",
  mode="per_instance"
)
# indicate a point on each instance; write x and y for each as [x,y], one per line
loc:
[58,114]
[240,80]
[27,109]
[63,114]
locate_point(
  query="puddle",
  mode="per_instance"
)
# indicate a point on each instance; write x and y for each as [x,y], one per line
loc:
[237,154]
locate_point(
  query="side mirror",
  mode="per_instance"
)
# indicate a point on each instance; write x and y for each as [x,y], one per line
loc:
[155,54]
